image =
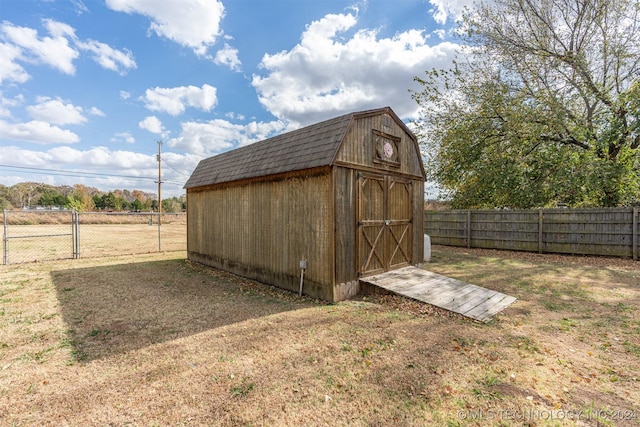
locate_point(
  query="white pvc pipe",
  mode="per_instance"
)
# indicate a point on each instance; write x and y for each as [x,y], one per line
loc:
[301,280]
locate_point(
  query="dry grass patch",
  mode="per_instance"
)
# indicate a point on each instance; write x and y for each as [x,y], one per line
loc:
[155,340]
[46,242]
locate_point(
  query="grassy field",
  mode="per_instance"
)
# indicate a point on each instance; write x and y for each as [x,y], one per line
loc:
[50,241]
[155,340]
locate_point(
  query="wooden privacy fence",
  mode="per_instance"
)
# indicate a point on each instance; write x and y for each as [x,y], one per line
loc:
[606,231]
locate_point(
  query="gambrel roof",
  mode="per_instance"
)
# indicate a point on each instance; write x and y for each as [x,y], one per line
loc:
[305,148]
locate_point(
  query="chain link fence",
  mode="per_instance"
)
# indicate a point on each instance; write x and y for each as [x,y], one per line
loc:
[42,235]
[38,236]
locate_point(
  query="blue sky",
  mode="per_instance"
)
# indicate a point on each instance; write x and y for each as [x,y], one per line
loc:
[87,88]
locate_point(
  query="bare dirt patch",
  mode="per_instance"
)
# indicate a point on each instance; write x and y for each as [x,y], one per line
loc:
[155,340]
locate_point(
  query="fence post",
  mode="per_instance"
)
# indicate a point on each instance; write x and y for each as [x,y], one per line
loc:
[72,233]
[4,240]
[76,234]
[635,234]
[469,228]
[540,220]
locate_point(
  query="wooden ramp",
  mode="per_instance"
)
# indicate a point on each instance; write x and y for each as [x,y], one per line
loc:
[454,295]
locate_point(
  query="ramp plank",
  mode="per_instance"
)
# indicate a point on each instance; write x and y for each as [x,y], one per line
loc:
[445,292]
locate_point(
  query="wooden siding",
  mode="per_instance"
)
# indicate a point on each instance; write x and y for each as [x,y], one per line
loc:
[358,149]
[418,223]
[345,225]
[607,231]
[262,231]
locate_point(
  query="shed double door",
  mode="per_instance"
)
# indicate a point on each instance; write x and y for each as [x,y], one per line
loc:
[385,218]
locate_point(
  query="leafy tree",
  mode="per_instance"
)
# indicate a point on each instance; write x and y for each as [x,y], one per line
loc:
[172,205]
[137,205]
[73,203]
[98,202]
[80,198]
[139,195]
[24,194]
[51,197]
[4,197]
[110,201]
[545,107]
[121,204]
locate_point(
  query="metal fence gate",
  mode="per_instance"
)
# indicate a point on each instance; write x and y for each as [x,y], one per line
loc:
[24,240]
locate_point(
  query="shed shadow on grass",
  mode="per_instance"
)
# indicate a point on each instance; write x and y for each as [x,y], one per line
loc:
[114,309]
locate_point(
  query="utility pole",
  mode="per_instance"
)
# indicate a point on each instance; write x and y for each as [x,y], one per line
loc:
[159,192]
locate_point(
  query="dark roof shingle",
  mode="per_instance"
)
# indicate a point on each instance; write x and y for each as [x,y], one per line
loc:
[304,148]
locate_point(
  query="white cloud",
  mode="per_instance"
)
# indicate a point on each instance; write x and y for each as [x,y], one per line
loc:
[119,61]
[101,157]
[10,70]
[37,132]
[194,23]
[175,100]
[441,34]
[448,9]
[152,124]
[56,111]
[235,116]
[80,7]
[326,74]
[53,51]
[59,29]
[204,139]
[7,103]
[59,50]
[228,56]
[124,136]
[124,94]
[94,111]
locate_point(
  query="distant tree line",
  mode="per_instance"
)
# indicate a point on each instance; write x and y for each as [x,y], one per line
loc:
[84,199]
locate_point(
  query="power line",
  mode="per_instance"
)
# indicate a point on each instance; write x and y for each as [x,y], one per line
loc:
[79,174]
[171,167]
[75,173]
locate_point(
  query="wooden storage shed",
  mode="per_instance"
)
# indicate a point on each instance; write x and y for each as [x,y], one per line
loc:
[345,195]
